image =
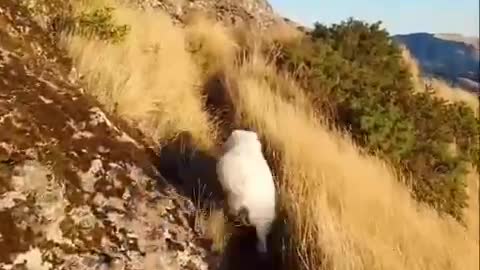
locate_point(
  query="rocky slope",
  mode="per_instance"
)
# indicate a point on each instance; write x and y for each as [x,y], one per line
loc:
[257,12]
[77,191]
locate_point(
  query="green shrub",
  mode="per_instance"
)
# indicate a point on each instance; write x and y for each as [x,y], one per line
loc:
[97,23]
[355,68]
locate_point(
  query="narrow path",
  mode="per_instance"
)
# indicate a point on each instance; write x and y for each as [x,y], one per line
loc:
[193,173]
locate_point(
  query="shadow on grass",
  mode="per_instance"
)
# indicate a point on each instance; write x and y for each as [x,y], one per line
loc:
[191,171]
[240,252]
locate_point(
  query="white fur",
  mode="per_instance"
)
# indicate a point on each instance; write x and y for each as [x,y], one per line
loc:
[247,180]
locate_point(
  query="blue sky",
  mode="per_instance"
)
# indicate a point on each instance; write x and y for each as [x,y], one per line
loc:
[407,16]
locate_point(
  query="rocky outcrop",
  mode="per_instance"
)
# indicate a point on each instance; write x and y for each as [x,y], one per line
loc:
[76,190]
[256,12]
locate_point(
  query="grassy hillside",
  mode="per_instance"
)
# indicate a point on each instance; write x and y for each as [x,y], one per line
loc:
[354,70]
[363,163]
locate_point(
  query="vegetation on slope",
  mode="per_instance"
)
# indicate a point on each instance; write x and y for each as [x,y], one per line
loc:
[356,69]
[343,208]
[149,78]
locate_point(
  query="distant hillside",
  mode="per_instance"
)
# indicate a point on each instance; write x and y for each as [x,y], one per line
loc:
[449,56]
[460,38]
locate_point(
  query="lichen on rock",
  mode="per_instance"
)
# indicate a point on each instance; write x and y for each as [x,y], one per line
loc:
[77,191]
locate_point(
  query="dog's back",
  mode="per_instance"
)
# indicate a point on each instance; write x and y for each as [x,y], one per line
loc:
[247,179]
[243,170]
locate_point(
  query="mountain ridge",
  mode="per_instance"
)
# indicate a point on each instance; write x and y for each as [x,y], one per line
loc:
[451,57]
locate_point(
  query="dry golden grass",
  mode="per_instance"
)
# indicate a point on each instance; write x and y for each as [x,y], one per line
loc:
[455,94]
[413,66]
[250,37]
[149,78]
[217,230]
[210,42]
[348,210]
[473,211]
[283,33]
[211,223]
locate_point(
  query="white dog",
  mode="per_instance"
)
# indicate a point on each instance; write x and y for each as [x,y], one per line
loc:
[248,182]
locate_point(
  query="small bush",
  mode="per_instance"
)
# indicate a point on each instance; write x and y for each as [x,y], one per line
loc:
[97,23]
